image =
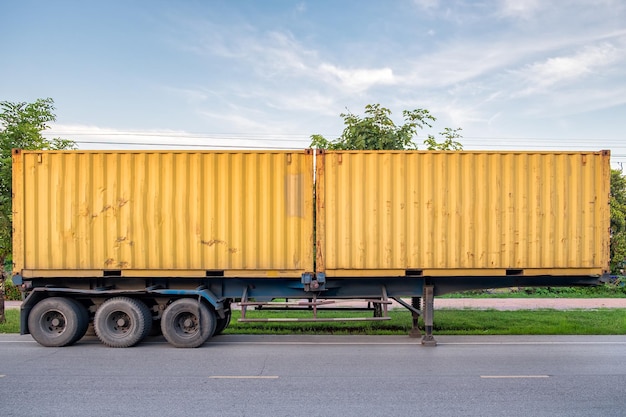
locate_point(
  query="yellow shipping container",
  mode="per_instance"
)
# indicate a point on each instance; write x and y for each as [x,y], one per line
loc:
[170,213]
[386,213]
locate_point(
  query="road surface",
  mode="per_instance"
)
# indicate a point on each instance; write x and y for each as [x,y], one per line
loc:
[245,375]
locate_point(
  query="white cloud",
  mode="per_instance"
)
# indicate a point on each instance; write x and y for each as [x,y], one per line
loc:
[279,51]
[512,59]
[238,121]
[523,9]
[358,79]
[564,69]
[266,136]
[427,4]
[279,55]
[477,71]
[301,7]
[95,137]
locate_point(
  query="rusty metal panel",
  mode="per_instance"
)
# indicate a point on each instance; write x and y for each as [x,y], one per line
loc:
[463,213]
[239,212]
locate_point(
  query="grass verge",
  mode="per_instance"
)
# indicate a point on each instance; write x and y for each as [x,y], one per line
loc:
[12,324]
[450,322]
[447,322]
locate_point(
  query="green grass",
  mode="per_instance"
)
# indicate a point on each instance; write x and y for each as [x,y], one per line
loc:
[12,324]
[447,322]
[451,322]
[531,322]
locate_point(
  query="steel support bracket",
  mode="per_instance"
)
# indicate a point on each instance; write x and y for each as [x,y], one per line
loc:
[429,304]
[314,282]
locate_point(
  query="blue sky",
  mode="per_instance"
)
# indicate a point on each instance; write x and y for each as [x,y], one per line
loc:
[513,74]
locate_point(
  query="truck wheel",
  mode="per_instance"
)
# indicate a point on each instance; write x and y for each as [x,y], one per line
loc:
[83,323]
[58,321]
[222,323]
[187,323]
[122,322]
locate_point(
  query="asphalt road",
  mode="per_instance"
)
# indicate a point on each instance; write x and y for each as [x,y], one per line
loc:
[244,375]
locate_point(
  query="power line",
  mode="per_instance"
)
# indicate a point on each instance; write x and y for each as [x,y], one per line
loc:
[253,139]
[220,146]
[537,138]
[223,146]
[485,142]
[298,136]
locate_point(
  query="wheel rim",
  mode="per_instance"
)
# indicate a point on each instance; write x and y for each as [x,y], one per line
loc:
[53,322]
[186,324]
[118,324]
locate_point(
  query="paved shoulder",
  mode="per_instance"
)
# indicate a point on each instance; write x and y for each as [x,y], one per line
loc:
[529,303]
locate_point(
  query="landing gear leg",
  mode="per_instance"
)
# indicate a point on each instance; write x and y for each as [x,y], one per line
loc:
[415,330]
[414,308]
[429,301]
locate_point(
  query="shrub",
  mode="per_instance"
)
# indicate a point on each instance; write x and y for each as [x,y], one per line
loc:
[11,291]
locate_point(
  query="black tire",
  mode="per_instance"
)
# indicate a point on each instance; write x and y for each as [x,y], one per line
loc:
[156,328]
[122,322]
[188,323]
[57,321]
[83,323]
[222,323]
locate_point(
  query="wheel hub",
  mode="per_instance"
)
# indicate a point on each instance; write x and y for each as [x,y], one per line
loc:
[188,323]
[120,323]
[54,321]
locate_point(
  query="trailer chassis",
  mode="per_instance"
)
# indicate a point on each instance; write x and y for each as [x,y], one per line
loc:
[217,293]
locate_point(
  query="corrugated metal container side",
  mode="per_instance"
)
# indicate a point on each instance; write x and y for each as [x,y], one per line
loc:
[463,213]
[170,212]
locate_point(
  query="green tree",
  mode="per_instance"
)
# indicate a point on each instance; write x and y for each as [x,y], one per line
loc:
[618,222]
[376,131]
[21,127]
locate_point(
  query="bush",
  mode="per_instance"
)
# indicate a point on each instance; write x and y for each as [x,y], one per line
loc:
[616,287]
[11,291]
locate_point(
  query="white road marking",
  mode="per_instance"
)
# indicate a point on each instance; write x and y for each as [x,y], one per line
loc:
[513,376]
[243,377]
